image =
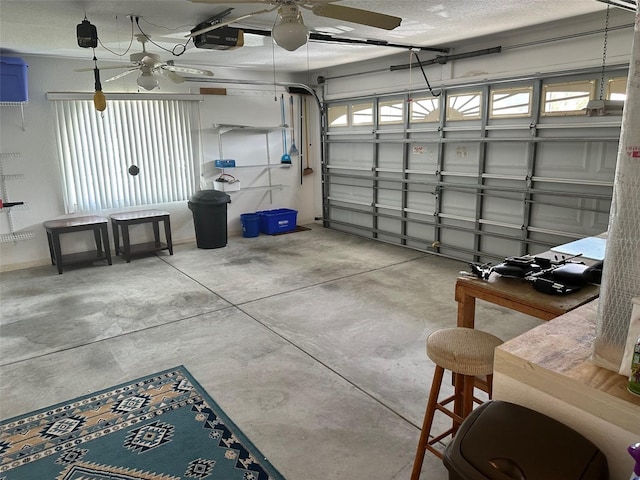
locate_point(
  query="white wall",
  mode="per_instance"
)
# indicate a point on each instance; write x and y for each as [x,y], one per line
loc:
[40,189]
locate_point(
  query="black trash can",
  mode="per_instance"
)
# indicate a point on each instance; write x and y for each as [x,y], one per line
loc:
[209,209]
[501,440]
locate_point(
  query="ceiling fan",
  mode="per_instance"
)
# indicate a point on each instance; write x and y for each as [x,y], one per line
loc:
[290,32]
[150,67]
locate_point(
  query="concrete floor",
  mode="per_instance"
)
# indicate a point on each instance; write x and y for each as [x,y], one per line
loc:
[312,342]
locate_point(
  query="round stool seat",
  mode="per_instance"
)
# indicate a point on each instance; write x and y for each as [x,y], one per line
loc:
[466,351]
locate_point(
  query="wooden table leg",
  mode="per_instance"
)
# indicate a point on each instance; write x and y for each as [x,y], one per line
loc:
[105,237]
[466,308]
[97,235]
[116,237]
[126,245]
[55,237]
[51,251]
[156,232]
[167,234]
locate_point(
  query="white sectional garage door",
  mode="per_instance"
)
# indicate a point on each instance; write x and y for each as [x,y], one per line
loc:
[476,173]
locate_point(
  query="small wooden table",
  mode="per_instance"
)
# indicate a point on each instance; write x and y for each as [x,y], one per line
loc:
[516,294]
[96,223]
[122,221]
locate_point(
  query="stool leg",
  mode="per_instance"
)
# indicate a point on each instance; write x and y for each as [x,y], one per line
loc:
[490,386]
[467,395]
[458,402]
[428,421]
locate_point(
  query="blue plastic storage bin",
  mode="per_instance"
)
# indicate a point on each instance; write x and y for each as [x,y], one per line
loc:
[13,80]
[280,220]
[250,224]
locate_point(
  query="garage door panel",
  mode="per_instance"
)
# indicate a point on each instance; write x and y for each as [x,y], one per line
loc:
[461,157]
[421,201]
[357,155]
[503,210]
[390,155]
[507,158]
[459,204]
[574,160]
[423,157]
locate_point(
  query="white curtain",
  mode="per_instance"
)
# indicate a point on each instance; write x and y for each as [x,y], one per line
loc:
[97,149]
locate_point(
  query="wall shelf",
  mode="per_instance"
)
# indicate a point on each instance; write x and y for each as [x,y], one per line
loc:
[267,167]
[13,236]
[16,104]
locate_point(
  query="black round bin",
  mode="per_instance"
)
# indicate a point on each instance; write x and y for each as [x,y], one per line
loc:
[504,441]
[209,209]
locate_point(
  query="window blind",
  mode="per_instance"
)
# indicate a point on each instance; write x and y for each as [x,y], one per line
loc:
[96,149]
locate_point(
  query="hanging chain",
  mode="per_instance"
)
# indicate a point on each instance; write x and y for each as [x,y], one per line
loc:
[604,52]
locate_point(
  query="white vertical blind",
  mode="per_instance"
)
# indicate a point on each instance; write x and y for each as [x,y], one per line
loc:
[96,150]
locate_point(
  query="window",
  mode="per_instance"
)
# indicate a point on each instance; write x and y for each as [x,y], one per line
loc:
[391,112]
[464,106]
[96,150]
[426,109]
[338,116]
[510,102]
[568,98]
[362,114]
[617,88]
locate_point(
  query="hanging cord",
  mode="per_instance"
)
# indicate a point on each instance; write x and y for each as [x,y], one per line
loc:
[128,48]
[308,66]
[273,62]
[409,99]
[425,77]
[604,52]
[173,51]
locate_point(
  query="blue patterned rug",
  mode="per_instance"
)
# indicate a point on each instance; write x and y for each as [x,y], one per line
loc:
[160,427]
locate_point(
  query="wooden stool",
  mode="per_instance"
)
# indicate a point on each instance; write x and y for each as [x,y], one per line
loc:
[466,353]
[126,219]
[97,224]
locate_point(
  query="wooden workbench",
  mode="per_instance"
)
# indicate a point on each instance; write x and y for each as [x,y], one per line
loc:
[552,362]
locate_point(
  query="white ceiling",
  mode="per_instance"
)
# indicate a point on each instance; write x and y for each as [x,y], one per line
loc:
[48,27]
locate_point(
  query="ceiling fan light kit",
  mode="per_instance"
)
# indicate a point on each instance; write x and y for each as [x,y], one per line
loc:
[147,81]
[290,32]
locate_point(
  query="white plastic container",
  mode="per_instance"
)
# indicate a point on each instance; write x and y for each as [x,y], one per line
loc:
[632,336]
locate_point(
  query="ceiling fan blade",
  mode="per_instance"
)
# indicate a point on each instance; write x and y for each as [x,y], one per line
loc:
[174,77]
[229,22]
[230,1]
[356,15]
[120,75]
[193,71]
[103,68]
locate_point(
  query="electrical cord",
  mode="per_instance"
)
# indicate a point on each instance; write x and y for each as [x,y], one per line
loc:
[173,50]
[128,48]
